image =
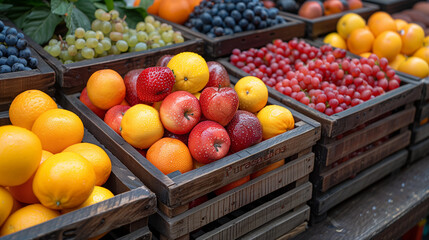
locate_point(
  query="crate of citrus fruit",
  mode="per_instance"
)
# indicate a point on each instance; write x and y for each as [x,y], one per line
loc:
[196,141]
[57,180]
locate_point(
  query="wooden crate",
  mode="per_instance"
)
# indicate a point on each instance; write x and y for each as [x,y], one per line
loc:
[131,206]
[13,83]
[72,78]
[222,46]
[326,24]
[393,6]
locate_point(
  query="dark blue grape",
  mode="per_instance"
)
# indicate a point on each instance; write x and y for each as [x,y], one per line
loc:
[240,6]
[258,11]
[206,18]
[257,20]
[222,6]
[12,31]
[1,54]
[5,30]
[21,44]
[264,14]
[223,14]
[271,22]
[250,27]
[199,24]
[229,22]
[272,13]
[230,7]
[32,62]
[217,21]
[210,34]
[25,53]
[2,37]
[236,15]
[17,67]
[248,14]
[3,49]
[207,28]
[23,61]
[279,20]
[251,5]
[3,60]
[5,69]
[262,25]
[237,29]
[27,68]
[12,51]
[228,31]
[243,23]
[11,40]
[218,31]
[227,1]
[214,11]
[12,59]
[20,35]
[1,25]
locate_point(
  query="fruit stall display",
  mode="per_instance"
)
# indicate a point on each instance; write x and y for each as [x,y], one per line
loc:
[217,176]
[21,68]
[36,191]
[317,24]
[225,25]
[350,99]
[393,6]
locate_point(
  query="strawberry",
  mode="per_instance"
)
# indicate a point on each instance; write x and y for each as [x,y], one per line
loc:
[154,84]
[130,80]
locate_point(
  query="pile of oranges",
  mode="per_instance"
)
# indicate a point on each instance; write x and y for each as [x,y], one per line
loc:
[403,44]
[45,170]
[176,11]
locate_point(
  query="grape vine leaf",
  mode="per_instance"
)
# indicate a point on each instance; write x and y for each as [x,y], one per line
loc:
[87,7]
[76,18]
[40,24]
[60,7]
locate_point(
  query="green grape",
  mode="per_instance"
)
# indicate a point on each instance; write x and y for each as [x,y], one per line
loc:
[126,36]
[168,44]
[164,27]
[103,54]
[88,53]
[96,25]
[126,29]
[64,55]
[149,28]
[155,45]
[47,48]
[141,46]
[53,42]
[98,13]
[106,27]
[154,37]
[141,26]
[80,43]
[106,44]
[89,34]
[79,32]
[114,50]
[149,19]
[179,39]
[132,49]
[105,17]
[91,42]
[99,35]
[99,48]
[55,50]
[72,50]
[167,37]
[142,36]
[68,61]
[118,27]
[157,24]
[132,41]
[78,56]
[132,32]
[122,45]
[116,36]
[70,39]
[161,43]
[114,14]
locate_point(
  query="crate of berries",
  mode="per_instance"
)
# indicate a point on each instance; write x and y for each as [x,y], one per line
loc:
[57,181]
[203,151]
[21,68]
[353,99]
[225,25]
[321,17]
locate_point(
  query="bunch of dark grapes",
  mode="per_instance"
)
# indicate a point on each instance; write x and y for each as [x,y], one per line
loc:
[225,17]
[14,54]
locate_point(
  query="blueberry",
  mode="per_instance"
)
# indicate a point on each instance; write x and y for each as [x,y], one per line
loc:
[23,61]
[257,20]
[12,51]
[217,21]
[21,43]
[250,27]
[236,15]
[251,5]
[12,59]
[25,53]
[27,68]
[3,60]
[271,22]
[258,11]
[279,20]
[12,31]
[223,14]
[197,10]
[248,14]
[218,31]
[3,49]
[237,29]
[2,37]
[227,1]
[243,23]
[262,25]
[229,22]
[1,25]
[230,7]
[212,35]
[11,40]
[5,30]
[1,54]
[199,24]
[5,69]
[17,67]
[228,31]
[207,28]
[272,13]
[264,14]
[214,11]
[206,18]
[20,35]
[240,6]
[32,62]
[222,6]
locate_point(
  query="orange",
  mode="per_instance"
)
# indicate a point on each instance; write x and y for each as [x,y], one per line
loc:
[97,157]
[415,66]
[190,70]
[28,106]
[426,41]
[98,194]
[24,192]
[26,217]
[422,53]
[412,36]
[176,11]
[400,24]
[380,22]
[124,103]
[197,95]
[157,105]
[399,59]
[20,153]
[360,41]
[154,8]
[141,126]
[335,40]
[275,120]
[388,44]
[267,169]
[194,3]
[6,205]
[106,88]
[252,94]
[170,155]
[197,164]
[58,129]
[65,180]
[365,54]
[349,22]
[232,185]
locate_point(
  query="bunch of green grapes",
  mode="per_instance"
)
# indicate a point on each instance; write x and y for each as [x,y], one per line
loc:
[109,35]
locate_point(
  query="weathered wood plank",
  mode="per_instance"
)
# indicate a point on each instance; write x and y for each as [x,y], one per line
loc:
[294,232]
[421,133]
[140,234]
[393,6]
[424,112]
[419,150]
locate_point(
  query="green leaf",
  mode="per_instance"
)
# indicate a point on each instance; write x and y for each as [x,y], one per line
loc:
[87,7]
[110,4]
[60,7]
[40,24]
[101,6]
[5,7]
[145,4]
[76,18]
[134,14]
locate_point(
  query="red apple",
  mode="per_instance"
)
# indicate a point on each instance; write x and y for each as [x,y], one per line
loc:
[114,116]
[163,61]
[130,80]
[154,84]
[218,76]
[180,112]
[85,100]
[208,142]
[244,131]
[181,137]
[219,104]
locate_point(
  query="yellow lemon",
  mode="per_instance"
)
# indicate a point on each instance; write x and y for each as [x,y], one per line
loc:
[252,94]
[6,205]
[422,53]
[335,40]
[415,66]
[275,120]
[348,23]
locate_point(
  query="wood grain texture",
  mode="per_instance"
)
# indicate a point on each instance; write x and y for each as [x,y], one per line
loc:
[418,150]
[140,234]
[386,210]
[321,203]
[294,232]
[421,133]
[424,112]
[393,6]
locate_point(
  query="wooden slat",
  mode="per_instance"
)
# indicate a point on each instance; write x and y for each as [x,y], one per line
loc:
[393,6]
[281,225]
[321,204]
[236,198]
[424,112]
[140,234]
[359,163]
[348,144]
[419,150]
[262,214]
[421,133]
[294,232]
